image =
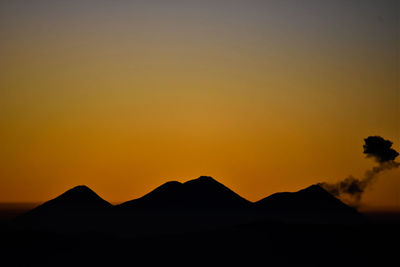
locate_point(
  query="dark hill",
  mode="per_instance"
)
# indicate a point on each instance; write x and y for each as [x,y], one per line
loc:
[310,205]
[75,209]
[203,193]
[79,197]
[176,207]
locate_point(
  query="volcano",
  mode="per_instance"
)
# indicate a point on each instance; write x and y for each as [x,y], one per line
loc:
[310,205]
[175,207]
[203,193]
[77,208]
[78,198]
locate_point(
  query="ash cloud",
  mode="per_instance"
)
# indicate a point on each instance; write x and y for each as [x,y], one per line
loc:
[380,149]
[351,189]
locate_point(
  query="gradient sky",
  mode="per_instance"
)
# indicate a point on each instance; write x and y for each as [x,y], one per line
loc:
[264,96]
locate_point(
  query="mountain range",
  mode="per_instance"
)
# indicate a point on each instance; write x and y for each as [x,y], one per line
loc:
[193,205]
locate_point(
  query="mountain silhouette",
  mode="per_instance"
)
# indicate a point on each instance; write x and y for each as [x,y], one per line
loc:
[75,209]
[79,197]
[203,193]
[312,204]
[200,219]
[175,207]
[198,204]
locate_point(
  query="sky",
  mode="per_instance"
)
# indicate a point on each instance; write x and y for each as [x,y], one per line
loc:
[264,96]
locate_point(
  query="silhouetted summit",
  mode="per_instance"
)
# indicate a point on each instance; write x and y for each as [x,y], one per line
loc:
[77,209]
[310,205]
[79,197]
[203,193]
[312,198]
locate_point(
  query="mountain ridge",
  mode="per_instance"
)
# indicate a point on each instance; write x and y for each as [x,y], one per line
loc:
[201,193]
[188,206]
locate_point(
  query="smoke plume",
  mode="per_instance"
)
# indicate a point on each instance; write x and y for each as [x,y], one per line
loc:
[351,189]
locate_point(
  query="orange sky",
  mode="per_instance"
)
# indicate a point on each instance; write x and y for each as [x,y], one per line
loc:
[262,96]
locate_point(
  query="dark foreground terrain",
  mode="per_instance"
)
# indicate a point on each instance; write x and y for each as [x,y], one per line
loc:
[257,244]
[197,222]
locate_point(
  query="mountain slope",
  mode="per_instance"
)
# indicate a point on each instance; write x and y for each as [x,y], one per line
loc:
[79,197]
[310,205]
[176,207]
[77,208]
[203,193]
